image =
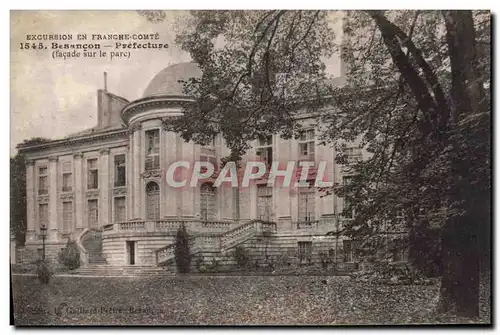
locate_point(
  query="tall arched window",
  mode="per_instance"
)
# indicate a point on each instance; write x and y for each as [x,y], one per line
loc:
[207,202]
[152,201]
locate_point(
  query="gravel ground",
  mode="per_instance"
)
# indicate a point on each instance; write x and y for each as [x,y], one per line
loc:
[220,300]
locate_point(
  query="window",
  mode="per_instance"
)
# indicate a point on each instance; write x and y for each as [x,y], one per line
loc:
[348,212]
[120,209]
[305,250]
[398,250]
[152,149]
[39,253]
[236,202]
[120,170]
[43,215]
[152,201]
[67,217]
[93,213]
[307,203]
[67,177]
[93,174]
[264,203]
[211,159]
[350,251]
[265,149]
[207,202]
[353,154]
[306,145]
[43,185]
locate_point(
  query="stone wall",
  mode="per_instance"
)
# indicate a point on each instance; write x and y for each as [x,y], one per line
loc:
[33,252]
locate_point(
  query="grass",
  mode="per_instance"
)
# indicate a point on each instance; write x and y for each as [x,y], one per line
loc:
[219,300]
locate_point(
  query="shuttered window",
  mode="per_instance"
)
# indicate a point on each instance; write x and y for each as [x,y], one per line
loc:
[120,209]
[93,213]
[207,202]
[265,203]
[67,217]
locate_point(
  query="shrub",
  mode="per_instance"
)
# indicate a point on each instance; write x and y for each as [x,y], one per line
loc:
[393,274]
[70,255]
[241,256]
[182,254]
[43,272]
[324,260]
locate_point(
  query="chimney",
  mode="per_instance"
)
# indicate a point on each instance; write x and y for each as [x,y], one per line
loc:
[105,81]
[109,106]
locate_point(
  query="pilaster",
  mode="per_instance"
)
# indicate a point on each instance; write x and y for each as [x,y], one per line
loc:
[137,172]
[104,202]
[77,163]
[30,201]
[53,210]
[188,194]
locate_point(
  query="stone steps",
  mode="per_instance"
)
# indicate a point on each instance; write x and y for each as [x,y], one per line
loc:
[105,270]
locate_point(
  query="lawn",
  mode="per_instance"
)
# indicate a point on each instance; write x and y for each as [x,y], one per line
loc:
[216,300]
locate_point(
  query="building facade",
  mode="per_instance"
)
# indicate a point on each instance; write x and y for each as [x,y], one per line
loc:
[106,188]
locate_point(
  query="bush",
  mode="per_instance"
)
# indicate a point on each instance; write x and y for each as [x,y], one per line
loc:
[393,274]
[70,256]
[43,272]
[213,267]
[182,254]
[324,260]
[241,256]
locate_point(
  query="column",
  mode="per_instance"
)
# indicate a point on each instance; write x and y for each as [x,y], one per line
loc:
[77,162]
[30,202]
[169,197]
[129,158]
[53,212]
[137,173]
[104,187]
[281,194]
[294,196]
[188,194]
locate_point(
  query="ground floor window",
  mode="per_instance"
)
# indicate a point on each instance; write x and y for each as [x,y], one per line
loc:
[265,203]
[120,209]
[207,202]
[67,217]
[152,201]
[305,250]
[350,251]
[93,213]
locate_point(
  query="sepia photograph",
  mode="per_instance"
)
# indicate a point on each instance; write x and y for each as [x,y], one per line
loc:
[250,167]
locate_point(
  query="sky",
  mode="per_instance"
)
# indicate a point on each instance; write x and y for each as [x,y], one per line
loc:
[53,98]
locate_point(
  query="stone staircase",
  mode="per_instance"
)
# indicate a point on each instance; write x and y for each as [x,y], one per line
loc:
[92,243]
[218,243]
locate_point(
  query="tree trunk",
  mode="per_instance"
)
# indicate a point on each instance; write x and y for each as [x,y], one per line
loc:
[460,259]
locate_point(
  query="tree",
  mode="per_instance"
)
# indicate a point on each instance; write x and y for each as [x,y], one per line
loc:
[416,95]
[18,217]
[182,254]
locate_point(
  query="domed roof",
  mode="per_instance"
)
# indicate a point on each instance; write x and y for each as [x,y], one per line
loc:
[166,82]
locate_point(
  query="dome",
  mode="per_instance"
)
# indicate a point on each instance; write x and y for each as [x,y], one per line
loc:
[166,82]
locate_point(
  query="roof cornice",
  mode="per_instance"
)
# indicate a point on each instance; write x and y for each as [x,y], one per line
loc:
[73,140]
[153,102]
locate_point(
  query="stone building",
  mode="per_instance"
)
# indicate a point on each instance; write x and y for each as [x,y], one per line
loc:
[105,188]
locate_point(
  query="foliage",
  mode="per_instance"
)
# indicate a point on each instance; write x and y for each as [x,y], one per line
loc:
[18,217]
[70,255]
[43,272]
[393,274]
[182,254]
[241,256]
[324,260]
[416,99]
[213,267]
